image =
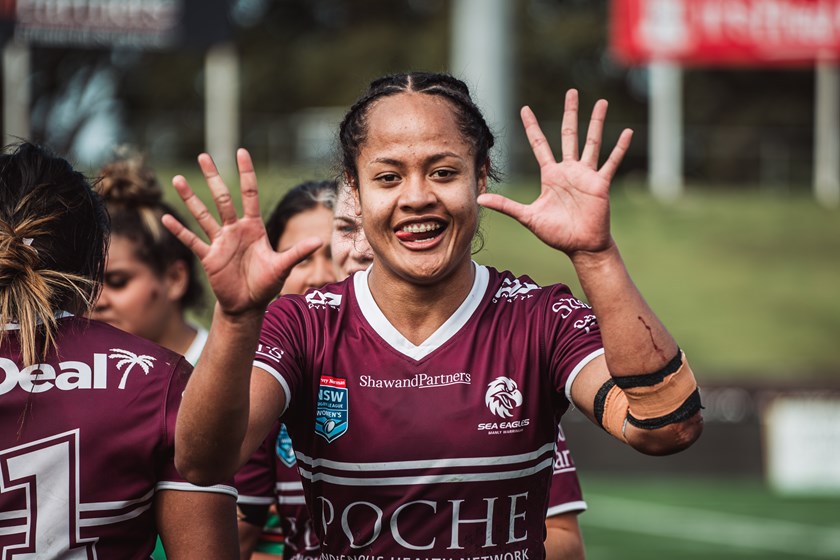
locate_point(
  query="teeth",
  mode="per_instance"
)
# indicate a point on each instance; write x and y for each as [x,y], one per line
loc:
[421,228]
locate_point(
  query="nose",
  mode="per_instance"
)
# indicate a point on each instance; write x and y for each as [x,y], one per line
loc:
[417,193]
[322,272]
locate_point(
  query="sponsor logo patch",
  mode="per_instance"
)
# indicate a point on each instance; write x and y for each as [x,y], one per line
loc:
[332,413]
[512,291]
[284,449]
[321,300]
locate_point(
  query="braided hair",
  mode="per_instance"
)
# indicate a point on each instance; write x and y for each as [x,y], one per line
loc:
[473,127]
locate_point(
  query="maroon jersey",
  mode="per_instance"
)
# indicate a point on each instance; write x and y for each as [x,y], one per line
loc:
[271,477]
[435,450]
[565,495]
[86,439]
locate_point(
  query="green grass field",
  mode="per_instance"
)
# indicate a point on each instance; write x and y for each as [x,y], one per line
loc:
[699,519]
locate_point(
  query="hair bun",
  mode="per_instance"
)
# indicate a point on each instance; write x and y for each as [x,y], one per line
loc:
[129,180]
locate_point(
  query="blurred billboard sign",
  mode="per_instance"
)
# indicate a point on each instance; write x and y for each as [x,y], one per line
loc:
[802,436]
[725,32]
[142,24]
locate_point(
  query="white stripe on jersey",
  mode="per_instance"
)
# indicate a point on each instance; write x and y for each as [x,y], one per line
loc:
[428,479]
[14,530]
[187,487]
[255,500]
[276,375]
[291,500]
[576,371]
[95,506]
[310,463]
[96,521]
[565,508]
[289,486]
[19,514]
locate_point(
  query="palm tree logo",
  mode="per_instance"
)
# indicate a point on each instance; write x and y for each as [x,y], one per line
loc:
[130,359]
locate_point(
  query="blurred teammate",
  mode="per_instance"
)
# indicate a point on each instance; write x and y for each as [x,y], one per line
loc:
[270,477]
[150,277]
[86,452]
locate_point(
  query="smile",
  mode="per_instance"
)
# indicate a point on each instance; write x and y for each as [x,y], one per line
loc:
[420,232]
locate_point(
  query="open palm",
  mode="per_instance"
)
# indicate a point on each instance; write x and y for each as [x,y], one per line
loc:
[243,269]
[572,212]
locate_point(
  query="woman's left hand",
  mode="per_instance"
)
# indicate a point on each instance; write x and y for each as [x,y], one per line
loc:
[572,213]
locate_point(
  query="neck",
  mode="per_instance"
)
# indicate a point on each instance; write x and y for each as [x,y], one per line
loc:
[418,310]
[178,336]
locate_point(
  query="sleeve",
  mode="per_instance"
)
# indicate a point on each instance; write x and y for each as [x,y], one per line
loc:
[574,338]
[255,481]
[565,494]
[281,348]
[168,477]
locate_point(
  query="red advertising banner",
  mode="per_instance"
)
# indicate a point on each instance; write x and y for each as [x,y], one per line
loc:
[726,32]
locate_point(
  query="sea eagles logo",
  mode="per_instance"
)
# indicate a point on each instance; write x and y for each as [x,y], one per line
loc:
[320,299]
[502,396]
[283,447]
[513,290]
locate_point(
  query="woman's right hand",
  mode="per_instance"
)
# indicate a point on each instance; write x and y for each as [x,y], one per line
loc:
[244,270]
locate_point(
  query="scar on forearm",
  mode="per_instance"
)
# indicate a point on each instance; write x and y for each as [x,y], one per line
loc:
[656,347]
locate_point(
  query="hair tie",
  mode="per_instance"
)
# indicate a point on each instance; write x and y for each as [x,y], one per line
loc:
[28,241]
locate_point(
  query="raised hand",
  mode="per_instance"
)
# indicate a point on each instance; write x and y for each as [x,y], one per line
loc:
[244,271]
[572,211]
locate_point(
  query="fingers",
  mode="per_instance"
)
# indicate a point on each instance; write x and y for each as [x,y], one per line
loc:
[504,205]
[594,134]
[220,192]
[185,236]
[248,184]
[296,253]
[196,207]
[608,169]
[539,145]
[568,132]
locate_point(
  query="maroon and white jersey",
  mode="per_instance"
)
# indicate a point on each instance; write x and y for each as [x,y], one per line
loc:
[86,439]
[271,477]
[433,450]
[565,495]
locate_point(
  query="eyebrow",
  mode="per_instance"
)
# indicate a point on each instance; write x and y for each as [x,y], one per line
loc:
[431,159]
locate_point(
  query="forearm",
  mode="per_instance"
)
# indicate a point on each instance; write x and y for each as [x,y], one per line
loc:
[635,340]
[638,348]
[563,540]
[213,417]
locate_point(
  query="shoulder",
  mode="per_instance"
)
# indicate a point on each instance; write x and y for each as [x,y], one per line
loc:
[79,335]
[315,302]
[507,287]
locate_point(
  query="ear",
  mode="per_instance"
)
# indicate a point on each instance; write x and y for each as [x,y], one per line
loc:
[482,178]
[357,196]
[177,280]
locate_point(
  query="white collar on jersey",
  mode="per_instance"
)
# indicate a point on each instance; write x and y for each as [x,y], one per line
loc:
[194,351]
[446,331]
[16,326]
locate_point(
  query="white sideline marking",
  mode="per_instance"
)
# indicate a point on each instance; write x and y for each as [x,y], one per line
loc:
[726,529]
